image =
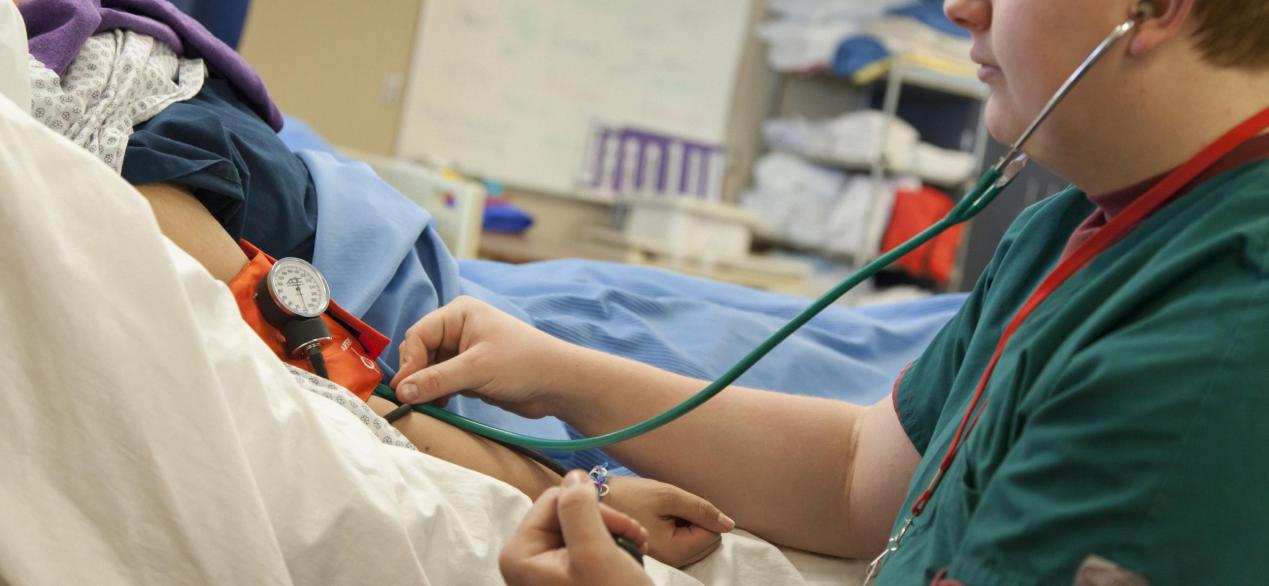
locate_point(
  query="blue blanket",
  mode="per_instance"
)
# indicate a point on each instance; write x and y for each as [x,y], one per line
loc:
[386,264]
[700,328]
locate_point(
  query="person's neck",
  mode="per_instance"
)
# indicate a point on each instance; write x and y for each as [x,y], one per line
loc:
[1162,130]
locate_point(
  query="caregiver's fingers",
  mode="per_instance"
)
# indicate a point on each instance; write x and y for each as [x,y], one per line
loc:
[412,356]
[588,527]
[539,531]
[440,380]
[623,525]
[442,328]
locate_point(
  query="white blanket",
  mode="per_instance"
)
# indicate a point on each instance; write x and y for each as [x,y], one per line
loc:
[151,438]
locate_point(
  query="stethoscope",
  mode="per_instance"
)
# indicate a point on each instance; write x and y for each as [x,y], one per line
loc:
[975,201]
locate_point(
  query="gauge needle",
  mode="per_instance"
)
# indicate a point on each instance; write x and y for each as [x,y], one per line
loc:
[300,291]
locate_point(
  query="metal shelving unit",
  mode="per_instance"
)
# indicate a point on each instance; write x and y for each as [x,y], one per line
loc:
[902,74]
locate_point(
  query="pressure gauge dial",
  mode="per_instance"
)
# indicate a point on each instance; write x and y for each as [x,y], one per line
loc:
[297,289]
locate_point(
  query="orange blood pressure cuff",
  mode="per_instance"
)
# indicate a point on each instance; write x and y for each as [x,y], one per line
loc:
[354,346]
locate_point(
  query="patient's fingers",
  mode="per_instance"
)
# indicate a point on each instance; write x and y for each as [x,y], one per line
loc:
[695,510]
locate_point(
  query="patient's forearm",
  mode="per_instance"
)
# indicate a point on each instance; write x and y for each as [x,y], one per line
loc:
[778,464]
[185,221]
[470,451]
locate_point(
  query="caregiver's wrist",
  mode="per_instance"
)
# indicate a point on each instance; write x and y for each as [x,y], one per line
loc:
[573,382]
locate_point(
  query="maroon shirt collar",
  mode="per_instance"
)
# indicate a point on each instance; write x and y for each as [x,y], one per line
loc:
[1251,151]
[1109,204]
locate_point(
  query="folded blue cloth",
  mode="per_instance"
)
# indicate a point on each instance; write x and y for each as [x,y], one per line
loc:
[856,53]
[930,13]
[506,218]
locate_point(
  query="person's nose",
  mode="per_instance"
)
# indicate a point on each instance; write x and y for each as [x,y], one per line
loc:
[971,15]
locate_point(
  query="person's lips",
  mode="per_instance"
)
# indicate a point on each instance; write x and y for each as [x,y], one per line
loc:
[987,67]
[987,72]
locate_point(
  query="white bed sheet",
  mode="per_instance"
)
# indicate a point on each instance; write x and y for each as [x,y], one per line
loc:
[159,441]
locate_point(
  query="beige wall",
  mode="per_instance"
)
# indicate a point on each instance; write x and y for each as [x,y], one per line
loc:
[330,66]
[751,104]
[337,65]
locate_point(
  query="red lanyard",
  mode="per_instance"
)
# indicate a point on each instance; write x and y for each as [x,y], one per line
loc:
[1112,232]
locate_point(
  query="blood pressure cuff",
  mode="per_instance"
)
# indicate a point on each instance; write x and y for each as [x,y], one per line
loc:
[354,346]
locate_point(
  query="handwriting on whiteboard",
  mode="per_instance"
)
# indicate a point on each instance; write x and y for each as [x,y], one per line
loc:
[511,89]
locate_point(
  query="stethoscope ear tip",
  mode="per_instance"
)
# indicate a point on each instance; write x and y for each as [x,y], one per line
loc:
[1145,11]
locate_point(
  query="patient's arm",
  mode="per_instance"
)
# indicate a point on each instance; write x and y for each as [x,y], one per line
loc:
[810,473]
[184,220]
[440,439]
[659,507]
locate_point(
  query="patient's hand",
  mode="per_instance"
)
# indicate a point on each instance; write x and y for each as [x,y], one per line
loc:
[682,527]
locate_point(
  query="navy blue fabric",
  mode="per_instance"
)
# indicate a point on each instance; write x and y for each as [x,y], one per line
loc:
[235,164]
[224,18]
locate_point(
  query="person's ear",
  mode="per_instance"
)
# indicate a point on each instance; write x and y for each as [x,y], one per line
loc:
[1166,21]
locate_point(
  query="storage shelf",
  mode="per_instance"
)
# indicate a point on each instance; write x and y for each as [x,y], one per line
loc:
[959,85]
[915,75]
[862,167]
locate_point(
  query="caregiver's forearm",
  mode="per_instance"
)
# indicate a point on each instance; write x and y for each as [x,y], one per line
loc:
[780,465]
[437,438]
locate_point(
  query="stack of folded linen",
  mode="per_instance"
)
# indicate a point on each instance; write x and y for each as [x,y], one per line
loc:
[813,207]
[861,139]
[853,139]
[857,38]
[917,33]
[804,34]
[939,166]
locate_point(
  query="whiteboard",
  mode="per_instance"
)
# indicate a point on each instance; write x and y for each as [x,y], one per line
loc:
[512,89]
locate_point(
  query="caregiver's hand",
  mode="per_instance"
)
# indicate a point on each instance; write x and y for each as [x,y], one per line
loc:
[469,346]
[566,539]
[682,527]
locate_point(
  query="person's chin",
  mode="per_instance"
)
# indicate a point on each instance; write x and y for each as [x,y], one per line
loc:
[1003,122]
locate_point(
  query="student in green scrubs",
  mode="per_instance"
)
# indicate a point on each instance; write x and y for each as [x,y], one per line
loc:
[1122,431]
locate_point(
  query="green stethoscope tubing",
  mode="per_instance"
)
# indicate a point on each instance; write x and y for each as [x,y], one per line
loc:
[986,190]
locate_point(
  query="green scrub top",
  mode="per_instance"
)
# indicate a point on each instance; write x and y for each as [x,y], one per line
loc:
[1127,421]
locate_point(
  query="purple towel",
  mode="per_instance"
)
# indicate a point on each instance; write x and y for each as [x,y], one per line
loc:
[57,29]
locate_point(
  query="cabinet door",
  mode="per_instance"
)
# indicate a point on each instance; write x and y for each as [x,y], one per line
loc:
[340,65]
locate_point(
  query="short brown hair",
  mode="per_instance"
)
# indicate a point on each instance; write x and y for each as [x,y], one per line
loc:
[1234,33]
